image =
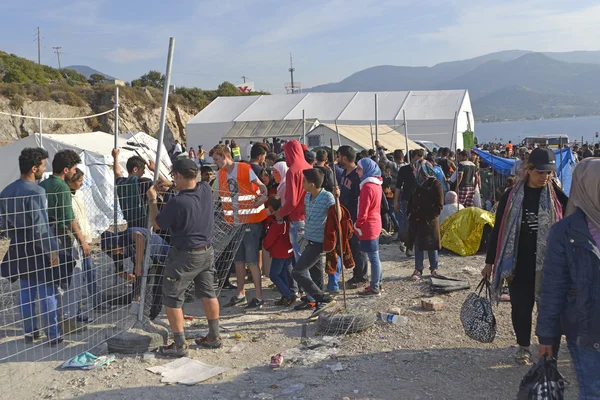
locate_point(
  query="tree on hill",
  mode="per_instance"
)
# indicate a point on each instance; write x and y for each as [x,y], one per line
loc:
[96,79]
[228,89]
[153,79]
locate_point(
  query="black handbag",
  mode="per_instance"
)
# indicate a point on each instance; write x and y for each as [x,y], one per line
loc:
[477,316]
[542,382]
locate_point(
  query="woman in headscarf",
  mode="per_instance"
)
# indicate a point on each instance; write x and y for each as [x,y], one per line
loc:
[368,220]
[424,207]
[279,171]
[570,293]
[452,206]
[517,244]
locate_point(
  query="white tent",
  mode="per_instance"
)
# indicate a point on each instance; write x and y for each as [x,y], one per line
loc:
[436,115]
[94,148]
[360,137]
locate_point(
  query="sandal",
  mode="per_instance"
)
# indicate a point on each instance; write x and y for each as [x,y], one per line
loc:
[523,356]
[435,273]
[416,276]
[276,361]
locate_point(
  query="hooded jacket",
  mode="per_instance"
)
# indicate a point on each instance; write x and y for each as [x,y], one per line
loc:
[293,203]
[277,240]
[331,243]
[368,216]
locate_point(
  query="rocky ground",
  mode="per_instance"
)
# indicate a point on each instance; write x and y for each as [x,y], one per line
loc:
[429,357]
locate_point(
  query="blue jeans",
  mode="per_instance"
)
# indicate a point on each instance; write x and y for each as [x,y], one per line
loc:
[393,215]
[420,259]
[47,296]
[402,217]
[586,362]
[296,229]
[90,280]
[376,273]
[333,279]
[280,269]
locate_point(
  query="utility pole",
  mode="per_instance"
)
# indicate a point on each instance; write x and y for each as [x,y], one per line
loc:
[244,78]
[39,46]
[57,51]
[291,70]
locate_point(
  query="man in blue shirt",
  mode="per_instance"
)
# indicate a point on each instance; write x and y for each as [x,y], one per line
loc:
[348,192]
[316,205]
[32,257]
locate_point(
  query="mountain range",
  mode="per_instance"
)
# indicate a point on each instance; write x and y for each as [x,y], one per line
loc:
[507,85]
[88,71]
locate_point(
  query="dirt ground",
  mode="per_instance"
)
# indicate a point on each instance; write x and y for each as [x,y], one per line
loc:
[428,358]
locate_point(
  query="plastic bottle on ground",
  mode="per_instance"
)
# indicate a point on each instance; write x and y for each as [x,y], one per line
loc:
[392,318]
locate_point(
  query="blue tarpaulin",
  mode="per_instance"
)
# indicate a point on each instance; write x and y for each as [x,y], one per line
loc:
[504,165]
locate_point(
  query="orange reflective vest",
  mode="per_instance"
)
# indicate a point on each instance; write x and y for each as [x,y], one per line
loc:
[247,194]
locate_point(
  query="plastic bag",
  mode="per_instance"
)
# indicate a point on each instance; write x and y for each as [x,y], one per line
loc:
[477,316]
[542,382]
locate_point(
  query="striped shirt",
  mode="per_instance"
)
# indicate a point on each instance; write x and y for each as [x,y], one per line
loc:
[316,215]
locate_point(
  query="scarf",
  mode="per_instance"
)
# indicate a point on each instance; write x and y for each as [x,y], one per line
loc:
[549,212]
[585,190]
[423,171]
[370,168]
[282,168]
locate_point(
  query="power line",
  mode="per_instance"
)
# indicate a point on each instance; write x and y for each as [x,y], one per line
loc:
[58,52]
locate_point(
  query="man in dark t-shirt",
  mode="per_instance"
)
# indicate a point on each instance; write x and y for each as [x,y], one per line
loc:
[465,180]
[189,217]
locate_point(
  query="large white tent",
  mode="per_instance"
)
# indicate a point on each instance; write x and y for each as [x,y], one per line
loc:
[94,148]
[439,116]
[360,137]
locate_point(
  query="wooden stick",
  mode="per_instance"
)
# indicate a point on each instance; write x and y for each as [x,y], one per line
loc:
[338,211]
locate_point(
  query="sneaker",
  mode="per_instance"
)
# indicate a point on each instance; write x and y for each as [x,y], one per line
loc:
[172,350]
[335,293]
[229,286]
[409,253]
[355,283]
[84,319]
[55,341]
[205,341]
[255,304]
[402,248]
[305,305]
[289,301]
[369,291]
[281,301]
[236,301]
[31,337]
[321,306]
[416,276]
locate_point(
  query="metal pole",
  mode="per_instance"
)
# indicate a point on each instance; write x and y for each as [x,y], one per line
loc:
[40,129]
[116,146]
[339,225]
[560,151]
[303,127]
[39,46]
[454,128]
[406,135]
[338,135]
[493,179]
[161,134]
[376,119]
[372,141]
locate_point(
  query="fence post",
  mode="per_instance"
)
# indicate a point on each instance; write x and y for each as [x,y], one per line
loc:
[161,134]
[116,146]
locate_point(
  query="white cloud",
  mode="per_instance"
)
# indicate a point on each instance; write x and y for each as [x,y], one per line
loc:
[530,25]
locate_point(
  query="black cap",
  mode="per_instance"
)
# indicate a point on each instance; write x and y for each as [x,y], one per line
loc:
[309,156]
[543,159]
[183,165]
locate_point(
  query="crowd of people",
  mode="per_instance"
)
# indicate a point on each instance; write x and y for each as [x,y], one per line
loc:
[303,215]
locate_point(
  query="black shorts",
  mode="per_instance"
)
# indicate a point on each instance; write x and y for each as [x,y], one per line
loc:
[184,267]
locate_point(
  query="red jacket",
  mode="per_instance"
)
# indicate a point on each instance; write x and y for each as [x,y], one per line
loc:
[294,192]
[277,240]
[368,220]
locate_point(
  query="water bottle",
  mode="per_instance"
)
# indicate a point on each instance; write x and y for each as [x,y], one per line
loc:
[393,318]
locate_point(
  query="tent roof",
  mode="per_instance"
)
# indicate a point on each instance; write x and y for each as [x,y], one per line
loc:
[330,107]
[361,135]
[268,129]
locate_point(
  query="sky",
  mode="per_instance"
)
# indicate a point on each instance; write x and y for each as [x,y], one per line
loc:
[223,40]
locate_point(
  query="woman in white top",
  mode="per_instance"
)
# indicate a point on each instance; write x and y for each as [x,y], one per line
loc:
[452,206]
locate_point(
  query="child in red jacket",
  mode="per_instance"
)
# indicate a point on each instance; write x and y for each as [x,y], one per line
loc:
[368,221]
[277,243]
